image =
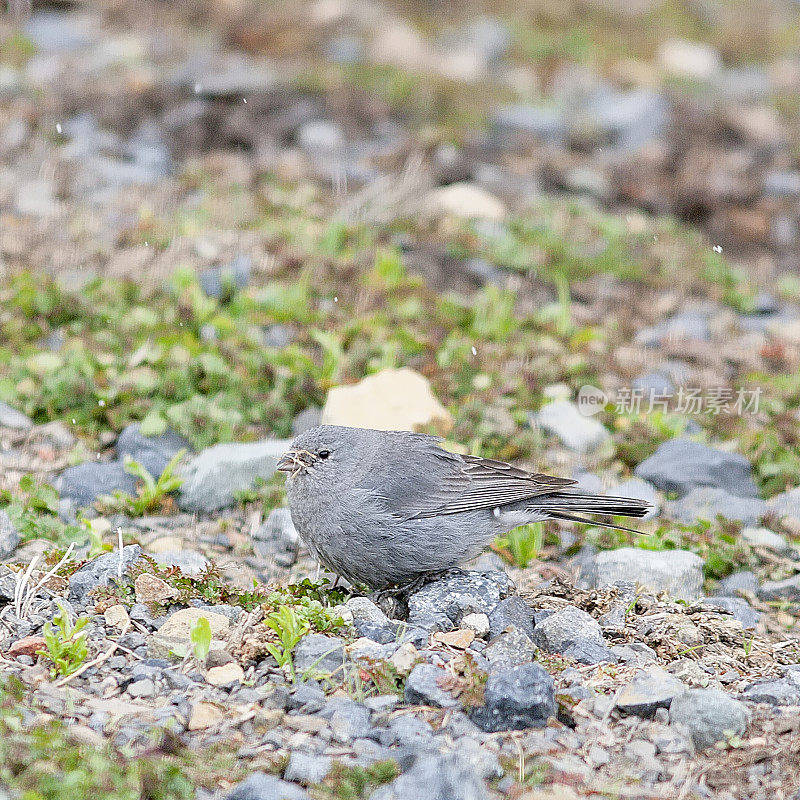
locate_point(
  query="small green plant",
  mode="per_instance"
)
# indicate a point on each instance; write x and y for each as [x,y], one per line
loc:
[522,545]
[354,782]
[66,643]
[290,628]
[151,493]
[201,638]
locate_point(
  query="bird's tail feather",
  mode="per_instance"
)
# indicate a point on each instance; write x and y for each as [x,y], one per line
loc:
[568,505]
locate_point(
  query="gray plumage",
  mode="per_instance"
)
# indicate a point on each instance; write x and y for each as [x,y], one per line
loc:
[384,507]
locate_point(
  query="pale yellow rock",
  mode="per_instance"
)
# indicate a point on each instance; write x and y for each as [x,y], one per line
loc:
[180,624]
[460,639]
[479,623]
[165,544]
[116,616]
[466,200]
[227,673]
[404,658]
[390,400]
[150,589]
[204,715]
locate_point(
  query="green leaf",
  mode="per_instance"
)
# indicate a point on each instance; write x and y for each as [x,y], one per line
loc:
[153,424]
[201,638]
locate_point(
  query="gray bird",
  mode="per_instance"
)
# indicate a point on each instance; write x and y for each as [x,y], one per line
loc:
[386,507]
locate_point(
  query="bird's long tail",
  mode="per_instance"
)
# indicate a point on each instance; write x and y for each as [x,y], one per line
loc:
[569,505]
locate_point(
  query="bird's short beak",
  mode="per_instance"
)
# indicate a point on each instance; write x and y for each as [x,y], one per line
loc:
[287,462]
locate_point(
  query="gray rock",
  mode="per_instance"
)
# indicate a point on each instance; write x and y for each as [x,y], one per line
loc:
[741,610]
[677,572]
[306,768]
[781,692]
[709,715]
[57,32]
[636,653]
[490,37]
[547,123]
[101,571]
[435,777]
[153,452]
[680,465]
[782,183]
[509,649]
[688,325]
[576,431]
[277,537]
[345,49]
[649,690]
[189,562]
[317,653]
[637,489]
[84,483]
[306,697]
[406,730]
[515,698]
[213,476]
[306,419]
[422,687]
[653,385]
[511,611]
[565,628]
[236,79]
[347,719]
[13,419]
[786,504]
[260,786]
[321,136]
[763,537]
[707,502]
[9,536]
[457,594]
[787,589]
[142,688]
[370,621]
[223,282]
[744,581]
[589,652]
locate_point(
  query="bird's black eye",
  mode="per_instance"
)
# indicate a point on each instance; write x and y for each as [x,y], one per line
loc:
[324,453]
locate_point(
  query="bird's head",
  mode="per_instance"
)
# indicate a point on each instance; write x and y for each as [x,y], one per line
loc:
[319,451]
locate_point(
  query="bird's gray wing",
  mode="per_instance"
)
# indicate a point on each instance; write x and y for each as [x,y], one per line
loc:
[429,481]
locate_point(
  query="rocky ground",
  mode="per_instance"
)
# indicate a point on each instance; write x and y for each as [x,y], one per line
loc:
[566,236]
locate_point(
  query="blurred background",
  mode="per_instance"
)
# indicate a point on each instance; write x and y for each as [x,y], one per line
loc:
[212,213]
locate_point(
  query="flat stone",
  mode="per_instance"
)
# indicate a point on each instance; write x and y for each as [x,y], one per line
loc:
[392,399]
[709,715]
[150,589]
[212,477]
[142,688]
[260,786]
[175,635]
[477,623]
[84,483]
[515,698]
[679,573]
[510,649]
[101,571]
[116,616]
[205,715]
[317,653]
[680,465]
[435,777]
[225,674]
[780,692]
[707,502]
[650,689]
[27,646]
[744,581]
[741,610]
[152,452]
[578,432]
[306,768]
[763,537]
[423,687]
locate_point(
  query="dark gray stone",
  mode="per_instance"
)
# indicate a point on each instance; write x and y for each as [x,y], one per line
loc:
[787,589]
[547,123]
[707,502]
[651,689]
[741,610]
[457,594]
[780,692]
[306,697]
[511,611]
[435,777]
[370,621]
[221,283]
[744,581]
[84,483]
[153,452]
[515,698]
[317,653]
[101,571]
[422,687]
[260,786]
[565,628]
[9,536]
[509,649]
[306,768]
[680,465]
[709,715]
[590,652]
[406,730]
